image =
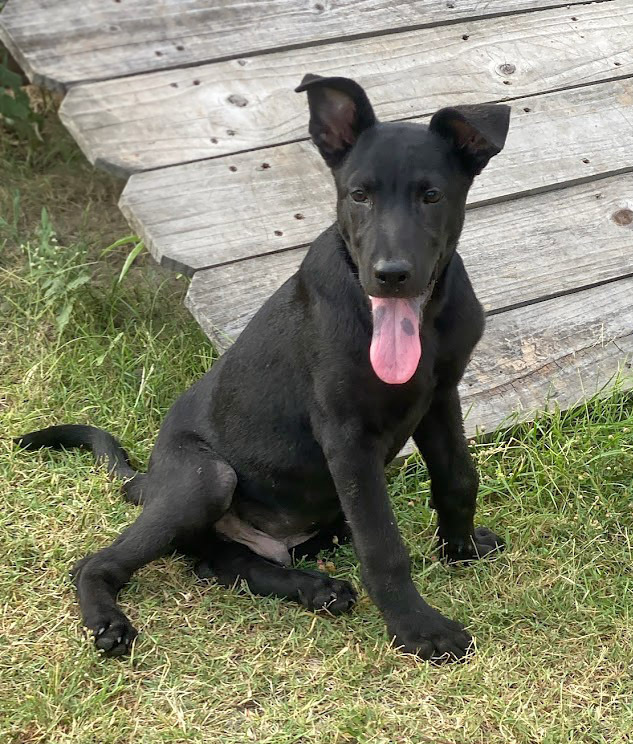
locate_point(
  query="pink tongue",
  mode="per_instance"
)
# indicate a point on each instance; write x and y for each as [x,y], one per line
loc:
[395,345]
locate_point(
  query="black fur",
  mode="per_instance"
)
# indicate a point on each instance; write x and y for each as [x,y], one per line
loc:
[289,432]
[104,446]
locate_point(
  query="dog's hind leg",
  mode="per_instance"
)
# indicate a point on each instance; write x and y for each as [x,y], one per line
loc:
[134,489]
[185,502]
[327,539]
[230,562]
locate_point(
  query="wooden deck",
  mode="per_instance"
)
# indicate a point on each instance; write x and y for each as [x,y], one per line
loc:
[195,105]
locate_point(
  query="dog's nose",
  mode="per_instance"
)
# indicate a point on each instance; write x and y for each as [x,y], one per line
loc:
[392,273]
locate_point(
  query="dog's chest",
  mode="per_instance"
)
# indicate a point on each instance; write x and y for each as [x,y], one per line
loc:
[394,411]
[403,420]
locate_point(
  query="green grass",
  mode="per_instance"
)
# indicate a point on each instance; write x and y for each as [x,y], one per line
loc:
[551,615]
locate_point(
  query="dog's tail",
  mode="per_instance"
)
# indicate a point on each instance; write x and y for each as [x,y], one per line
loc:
[104,447]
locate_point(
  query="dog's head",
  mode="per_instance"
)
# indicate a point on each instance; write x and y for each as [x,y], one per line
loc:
[402,191]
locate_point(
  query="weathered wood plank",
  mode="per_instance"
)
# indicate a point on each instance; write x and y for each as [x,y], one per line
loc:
[160,119]
[556,352]
[62,43]
[516,252]
[212,212]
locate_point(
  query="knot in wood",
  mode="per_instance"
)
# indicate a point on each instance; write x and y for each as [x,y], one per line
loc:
[623,217]
[237,100]
[507,68]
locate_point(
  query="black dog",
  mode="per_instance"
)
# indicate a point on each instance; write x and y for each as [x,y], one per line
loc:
[283,443]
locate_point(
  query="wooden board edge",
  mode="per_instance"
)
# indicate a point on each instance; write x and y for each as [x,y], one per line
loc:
[220,341]
[145,235]
[43,79]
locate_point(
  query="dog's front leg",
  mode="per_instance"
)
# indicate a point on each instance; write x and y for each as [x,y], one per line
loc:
[358,472]
[454,481]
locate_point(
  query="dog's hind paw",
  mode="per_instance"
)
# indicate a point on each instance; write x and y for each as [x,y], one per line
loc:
[327,595]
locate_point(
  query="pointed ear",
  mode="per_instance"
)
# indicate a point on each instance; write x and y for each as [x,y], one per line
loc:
[478,132]
[339,112]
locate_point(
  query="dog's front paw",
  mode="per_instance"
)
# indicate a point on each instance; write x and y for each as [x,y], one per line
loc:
[330,595]
[480,544]
[113,633]
[432,637]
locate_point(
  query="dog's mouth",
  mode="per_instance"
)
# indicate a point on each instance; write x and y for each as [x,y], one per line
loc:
[395,350]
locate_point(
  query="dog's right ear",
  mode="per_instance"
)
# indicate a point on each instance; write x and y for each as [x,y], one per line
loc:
[339,112]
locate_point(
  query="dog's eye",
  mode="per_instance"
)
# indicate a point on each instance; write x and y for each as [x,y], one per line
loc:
[432,195]
[359,195]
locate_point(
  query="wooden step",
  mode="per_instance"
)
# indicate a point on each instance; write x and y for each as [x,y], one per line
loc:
[60,43]
[517,252]
[216,211]
[150,121]
[551,339]
[556,353]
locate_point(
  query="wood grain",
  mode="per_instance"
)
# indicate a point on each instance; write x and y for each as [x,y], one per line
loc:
[212,212]
[555,353]
[150,121]
[516,252]
[59,43]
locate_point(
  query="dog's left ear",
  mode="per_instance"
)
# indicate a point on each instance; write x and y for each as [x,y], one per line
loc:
[339,112]
[479,132]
